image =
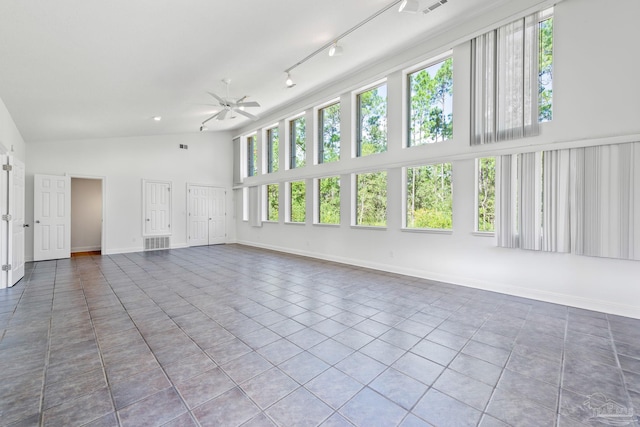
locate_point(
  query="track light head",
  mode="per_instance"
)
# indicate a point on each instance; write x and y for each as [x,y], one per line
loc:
[289,82]
[409,6]
[203,127]
[335,50]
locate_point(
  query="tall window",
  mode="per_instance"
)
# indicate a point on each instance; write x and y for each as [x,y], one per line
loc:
[429,197]
[329,138]
[297,206]
[371,199]
[273,149]
[545,67]
[431,104]
[329,200]
[252,156]
[512,79]
[372,121]
[273,207]
[297,145]
[486,194]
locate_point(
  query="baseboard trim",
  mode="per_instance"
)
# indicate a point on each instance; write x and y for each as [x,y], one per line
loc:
[503,288]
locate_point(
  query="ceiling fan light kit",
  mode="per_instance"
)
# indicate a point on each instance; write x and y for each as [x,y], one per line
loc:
[230,106]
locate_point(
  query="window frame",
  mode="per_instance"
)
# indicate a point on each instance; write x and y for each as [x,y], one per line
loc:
[289,195]
[405,195]
[269,142]
[476,228]
[320,134]
[292,141]
[355,195]
[358,117]
[252,154]
[266,216]
[407,94]
[318,201]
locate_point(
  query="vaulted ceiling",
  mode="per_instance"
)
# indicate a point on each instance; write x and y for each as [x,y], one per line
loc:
[76,69]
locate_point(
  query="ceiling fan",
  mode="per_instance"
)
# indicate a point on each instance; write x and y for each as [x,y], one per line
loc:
[230,106]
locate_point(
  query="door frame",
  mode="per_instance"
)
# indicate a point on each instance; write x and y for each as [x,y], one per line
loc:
[103,233]
[195,184]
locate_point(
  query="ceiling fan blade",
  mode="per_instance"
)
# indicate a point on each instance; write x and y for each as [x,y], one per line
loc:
[249,115]
[248,104]
[241,99]
[220,100]
[222,114]
[212,117]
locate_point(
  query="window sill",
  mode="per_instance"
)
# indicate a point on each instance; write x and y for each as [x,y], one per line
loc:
[484,233]
[295,223]
[321,224]
[427,230]
[369,227]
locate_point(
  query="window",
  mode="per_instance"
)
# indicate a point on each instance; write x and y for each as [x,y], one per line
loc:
[297,147]
[511,83]
[486,194]
[297,206]
[273,149]
[252,156]
[371,199]
[329,138]
[272,211]
[372,121]
[545,67]
[329,200]
[430,104]
[429,197]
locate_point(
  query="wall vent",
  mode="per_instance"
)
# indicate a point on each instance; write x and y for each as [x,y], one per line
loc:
[434,6]
[156,243]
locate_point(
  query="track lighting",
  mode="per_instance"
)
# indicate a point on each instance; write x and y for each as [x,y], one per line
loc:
[289,82]
[409,6]
[203,127]
[335,50]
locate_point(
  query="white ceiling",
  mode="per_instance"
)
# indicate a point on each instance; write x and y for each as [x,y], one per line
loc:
[76,69]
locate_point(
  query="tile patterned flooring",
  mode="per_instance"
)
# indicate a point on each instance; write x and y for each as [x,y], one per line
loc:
[232,335]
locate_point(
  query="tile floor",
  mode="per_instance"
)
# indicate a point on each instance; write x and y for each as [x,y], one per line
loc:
[231,335]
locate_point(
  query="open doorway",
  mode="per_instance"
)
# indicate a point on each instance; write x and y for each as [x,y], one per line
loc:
[86,216]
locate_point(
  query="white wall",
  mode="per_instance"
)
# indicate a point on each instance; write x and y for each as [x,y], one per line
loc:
[10,137]
[123,163]
[596,101]
[86,215]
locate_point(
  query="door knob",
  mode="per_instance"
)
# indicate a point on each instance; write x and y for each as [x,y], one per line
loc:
[37,221]
[25,225]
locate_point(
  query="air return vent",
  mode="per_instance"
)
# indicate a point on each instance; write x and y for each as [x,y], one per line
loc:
[434,6]
[156,243]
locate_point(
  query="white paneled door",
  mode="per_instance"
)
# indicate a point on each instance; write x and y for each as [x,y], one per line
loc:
[52,217]
[12,224]
[157,208]
[16,210]
[207,216]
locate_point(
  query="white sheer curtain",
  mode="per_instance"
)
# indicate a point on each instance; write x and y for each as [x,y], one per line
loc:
[506,201]
[525,219]
[505,82]
[556,197]
[255,206]
[583,200]
[605,215]
[529,201]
